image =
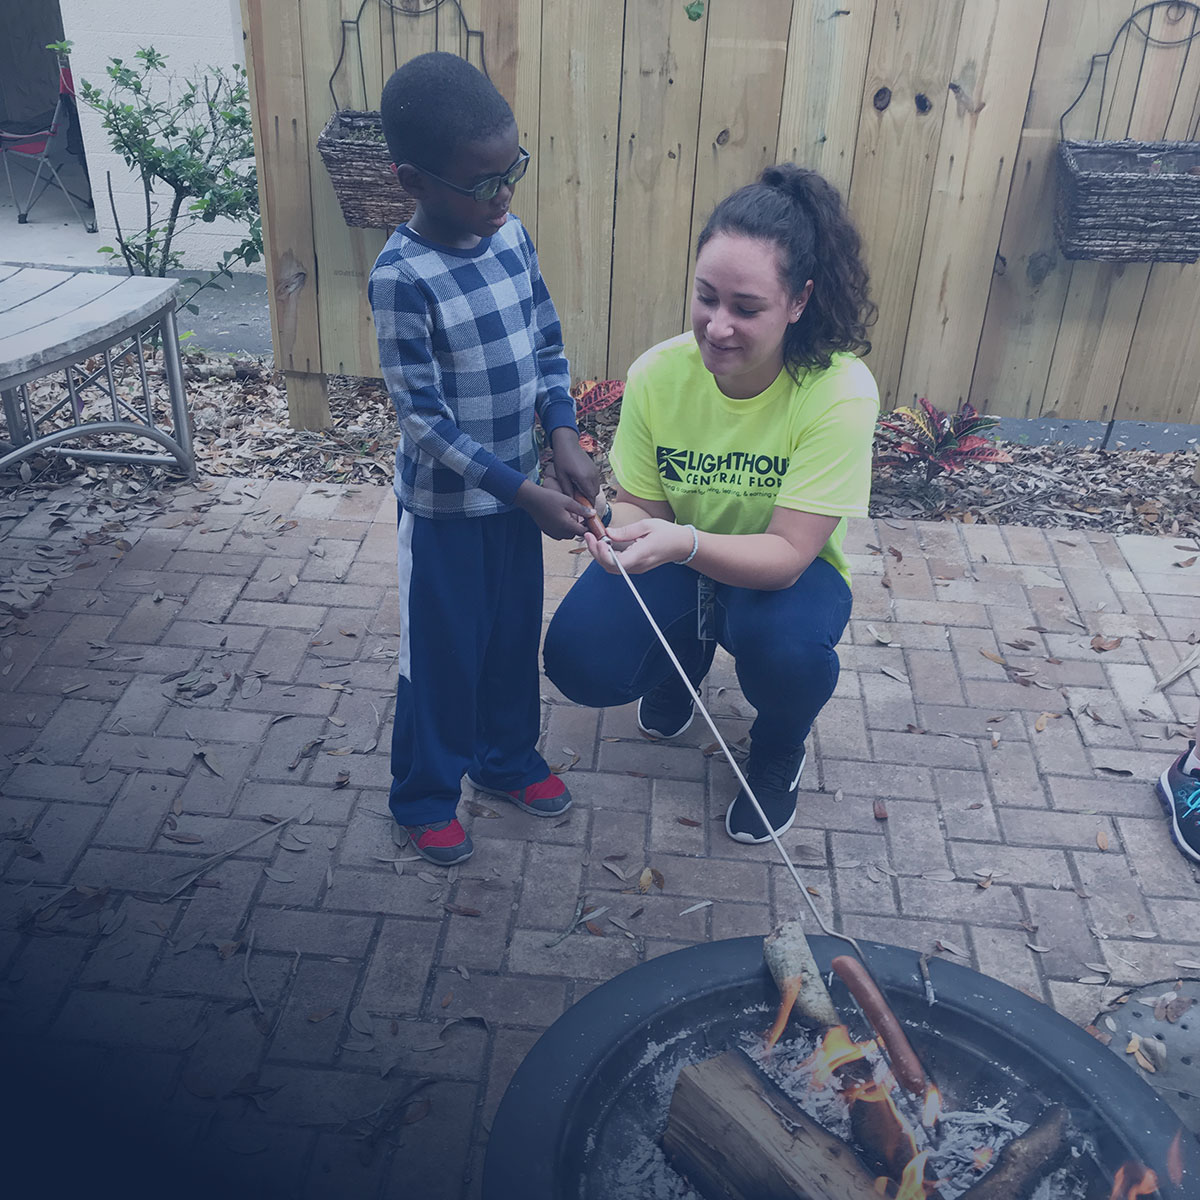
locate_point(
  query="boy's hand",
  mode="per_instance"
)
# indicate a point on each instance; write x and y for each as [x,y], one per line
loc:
[574,471]
[557,516]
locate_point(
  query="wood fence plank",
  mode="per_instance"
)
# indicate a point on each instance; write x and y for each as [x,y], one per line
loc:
[745,61]
[823,87]
[1029,288]
[1122,79]
[512,44]
[407,28]
[1162,375]
[660,91]
[580,95]
[275,65]
[346,255]
[912,57]
[993,68]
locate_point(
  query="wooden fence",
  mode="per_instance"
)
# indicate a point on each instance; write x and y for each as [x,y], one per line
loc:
[939,118]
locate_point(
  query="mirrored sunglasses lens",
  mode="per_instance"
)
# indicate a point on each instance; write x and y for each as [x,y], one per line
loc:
[517,173]
[488,188]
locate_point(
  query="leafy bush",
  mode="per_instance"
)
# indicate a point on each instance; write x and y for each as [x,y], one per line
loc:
[942,442]
[193,137]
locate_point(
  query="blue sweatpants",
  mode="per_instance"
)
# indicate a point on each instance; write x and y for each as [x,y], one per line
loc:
[468,697]
[783,642]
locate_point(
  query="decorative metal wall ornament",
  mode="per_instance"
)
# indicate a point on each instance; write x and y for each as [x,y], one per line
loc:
[352,144]
[1127,200]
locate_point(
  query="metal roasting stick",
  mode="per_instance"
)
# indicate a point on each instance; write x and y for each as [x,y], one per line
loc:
[787,861]
[695,694]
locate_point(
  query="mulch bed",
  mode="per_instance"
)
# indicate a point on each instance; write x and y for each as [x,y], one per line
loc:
[241,429]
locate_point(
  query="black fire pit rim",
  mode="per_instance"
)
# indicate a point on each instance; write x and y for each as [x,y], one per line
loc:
[554,1076]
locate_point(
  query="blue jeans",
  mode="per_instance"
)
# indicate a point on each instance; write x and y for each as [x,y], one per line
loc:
[600,650]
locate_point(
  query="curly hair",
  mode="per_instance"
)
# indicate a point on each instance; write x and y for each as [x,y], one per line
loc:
[802,214]
[436,102]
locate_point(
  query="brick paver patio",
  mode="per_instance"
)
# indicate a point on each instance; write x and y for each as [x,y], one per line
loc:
[231,655]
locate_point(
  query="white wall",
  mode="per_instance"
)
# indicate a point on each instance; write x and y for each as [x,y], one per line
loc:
[192,36]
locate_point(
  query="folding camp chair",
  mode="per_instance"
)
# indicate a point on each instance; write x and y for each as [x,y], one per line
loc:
[39,145]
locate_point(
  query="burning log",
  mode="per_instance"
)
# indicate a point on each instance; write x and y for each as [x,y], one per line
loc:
[1026,1160]
[737,1136]
[792,966]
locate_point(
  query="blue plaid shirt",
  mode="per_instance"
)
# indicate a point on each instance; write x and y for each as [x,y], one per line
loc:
[471,348]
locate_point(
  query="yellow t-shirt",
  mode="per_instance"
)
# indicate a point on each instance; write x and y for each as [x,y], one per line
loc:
[723,464]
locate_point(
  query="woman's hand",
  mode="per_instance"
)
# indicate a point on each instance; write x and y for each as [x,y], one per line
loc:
[643,545]
[574,473]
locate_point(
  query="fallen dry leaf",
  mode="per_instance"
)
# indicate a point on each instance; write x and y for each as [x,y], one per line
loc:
[688,821]
[593,929]
[880,810]
[996,658]
[462,910]
[1101,644]
[950,948]
[1102,840]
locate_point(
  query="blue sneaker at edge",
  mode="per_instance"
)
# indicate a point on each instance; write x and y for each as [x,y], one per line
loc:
[1179,792]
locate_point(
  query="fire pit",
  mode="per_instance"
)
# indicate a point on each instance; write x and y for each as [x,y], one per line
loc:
[593,1093]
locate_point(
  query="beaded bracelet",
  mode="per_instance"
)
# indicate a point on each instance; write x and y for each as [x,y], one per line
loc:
[683,562]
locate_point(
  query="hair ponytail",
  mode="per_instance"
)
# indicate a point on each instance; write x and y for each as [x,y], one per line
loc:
[801,213]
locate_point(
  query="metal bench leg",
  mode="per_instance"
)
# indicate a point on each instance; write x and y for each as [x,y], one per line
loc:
[15,417]
[179,412]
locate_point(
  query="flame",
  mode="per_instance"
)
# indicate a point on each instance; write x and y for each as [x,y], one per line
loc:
[983,1158]
[1175,1158]
[836,1049]
[787,998]
[1134,1180]
[912,1182]
[933,1106]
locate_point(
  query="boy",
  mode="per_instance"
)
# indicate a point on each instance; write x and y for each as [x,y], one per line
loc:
[471,348]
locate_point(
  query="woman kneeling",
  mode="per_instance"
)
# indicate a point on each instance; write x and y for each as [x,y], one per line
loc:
[742,447]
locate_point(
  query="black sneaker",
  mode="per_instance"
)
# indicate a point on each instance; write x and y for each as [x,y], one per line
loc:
[1179,792]
[774,776]
[665,711]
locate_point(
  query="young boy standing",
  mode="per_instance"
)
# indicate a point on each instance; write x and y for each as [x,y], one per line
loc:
[471,350]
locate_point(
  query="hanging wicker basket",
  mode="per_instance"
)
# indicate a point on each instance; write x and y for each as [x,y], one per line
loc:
[356,156]
[1128,201]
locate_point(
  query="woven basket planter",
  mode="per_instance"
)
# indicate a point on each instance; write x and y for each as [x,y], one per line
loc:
[356,156]
[1128,201]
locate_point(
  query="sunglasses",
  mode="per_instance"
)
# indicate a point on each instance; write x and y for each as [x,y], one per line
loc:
[486,189]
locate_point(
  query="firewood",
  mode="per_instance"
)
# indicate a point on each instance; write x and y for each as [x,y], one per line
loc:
[792,966]
[735,1135]
[1026,1160]
[876,1128]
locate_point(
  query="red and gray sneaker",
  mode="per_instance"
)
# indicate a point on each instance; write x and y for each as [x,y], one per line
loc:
[548,797]
[444,844]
